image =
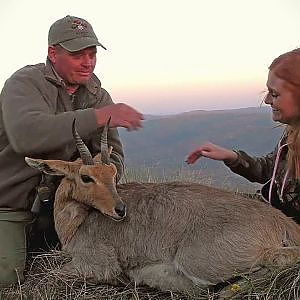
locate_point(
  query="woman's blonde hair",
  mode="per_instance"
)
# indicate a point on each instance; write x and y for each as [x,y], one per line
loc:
[287,67]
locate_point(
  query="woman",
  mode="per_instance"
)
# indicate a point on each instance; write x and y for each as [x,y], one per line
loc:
[279,170]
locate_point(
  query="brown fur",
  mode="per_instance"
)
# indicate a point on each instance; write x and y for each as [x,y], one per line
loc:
[175,236]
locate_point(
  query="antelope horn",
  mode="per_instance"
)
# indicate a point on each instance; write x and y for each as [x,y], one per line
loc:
[84,152]
[104,146]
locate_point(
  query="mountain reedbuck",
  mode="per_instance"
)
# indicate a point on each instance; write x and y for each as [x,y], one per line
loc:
[172,236]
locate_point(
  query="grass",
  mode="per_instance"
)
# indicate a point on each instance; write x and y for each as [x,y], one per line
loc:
[221,177]
[154,174]
[44,281]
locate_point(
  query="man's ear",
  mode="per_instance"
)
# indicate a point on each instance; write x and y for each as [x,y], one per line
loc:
[51,167]
[52,54]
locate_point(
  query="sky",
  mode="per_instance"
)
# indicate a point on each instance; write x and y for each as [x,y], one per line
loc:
[164,56]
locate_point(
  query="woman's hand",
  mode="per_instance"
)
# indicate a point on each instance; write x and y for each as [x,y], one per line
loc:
[212,151]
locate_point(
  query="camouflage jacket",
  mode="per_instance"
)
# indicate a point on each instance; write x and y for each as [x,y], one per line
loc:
[285,192]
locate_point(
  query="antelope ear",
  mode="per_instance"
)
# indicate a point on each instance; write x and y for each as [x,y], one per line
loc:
[97,157]
[110,149]
[51,167]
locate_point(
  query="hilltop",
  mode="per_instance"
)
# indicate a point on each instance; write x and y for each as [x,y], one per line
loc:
[165,141]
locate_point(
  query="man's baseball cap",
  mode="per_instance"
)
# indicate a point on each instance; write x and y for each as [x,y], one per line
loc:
[73,34]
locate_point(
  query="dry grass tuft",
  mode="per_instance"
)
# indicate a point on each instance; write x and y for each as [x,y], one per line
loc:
[45,281]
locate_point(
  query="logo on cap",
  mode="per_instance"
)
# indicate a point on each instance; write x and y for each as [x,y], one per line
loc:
[79,25]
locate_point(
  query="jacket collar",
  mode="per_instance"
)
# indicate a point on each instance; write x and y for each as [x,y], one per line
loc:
[51,75]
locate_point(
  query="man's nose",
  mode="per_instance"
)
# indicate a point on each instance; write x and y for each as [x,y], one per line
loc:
[86,60]
[268,99]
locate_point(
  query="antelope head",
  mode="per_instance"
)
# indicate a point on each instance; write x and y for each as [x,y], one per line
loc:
[89,181]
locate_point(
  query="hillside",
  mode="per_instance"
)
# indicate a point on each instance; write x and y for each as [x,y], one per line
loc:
[165,141]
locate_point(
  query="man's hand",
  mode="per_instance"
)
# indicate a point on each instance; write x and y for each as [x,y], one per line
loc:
[121,115]
[212,151]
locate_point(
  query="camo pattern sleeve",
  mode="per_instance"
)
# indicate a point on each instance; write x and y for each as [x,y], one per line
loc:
[255,169]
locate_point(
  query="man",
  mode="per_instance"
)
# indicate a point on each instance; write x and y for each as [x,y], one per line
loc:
[38,106]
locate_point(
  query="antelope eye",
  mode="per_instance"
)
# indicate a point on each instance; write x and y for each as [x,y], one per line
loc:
[86,179]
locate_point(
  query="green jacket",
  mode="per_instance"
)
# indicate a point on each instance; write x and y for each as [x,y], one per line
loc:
[285,191]
[36,116]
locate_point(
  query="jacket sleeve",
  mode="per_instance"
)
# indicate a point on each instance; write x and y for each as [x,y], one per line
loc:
[117,155]
[255,169]
[31,124]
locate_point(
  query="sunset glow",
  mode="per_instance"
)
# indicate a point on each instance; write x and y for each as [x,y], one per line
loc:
[165,56]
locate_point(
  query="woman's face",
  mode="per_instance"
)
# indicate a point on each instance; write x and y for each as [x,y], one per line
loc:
[285,106]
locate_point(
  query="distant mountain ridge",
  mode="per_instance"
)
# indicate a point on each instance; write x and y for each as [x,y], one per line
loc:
[262,109]
[165,141]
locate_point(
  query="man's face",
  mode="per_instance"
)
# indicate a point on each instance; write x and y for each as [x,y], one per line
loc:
[75,68]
